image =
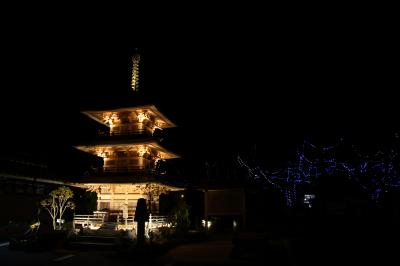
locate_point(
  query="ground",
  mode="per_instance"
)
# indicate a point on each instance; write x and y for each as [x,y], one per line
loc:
[330,246]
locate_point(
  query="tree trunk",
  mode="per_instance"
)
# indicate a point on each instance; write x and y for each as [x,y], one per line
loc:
[60,223]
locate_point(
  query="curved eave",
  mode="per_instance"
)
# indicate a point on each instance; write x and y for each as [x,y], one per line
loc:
[152,108]
[90,148]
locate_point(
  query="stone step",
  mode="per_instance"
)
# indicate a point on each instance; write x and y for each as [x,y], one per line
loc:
[108,226]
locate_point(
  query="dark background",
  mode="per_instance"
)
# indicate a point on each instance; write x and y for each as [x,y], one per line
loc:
[227,97]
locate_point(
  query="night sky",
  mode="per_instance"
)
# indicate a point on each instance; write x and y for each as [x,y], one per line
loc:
[225,98]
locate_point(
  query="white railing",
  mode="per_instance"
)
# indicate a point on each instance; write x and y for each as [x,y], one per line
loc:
[126,224]
[96,220]
[92,221]
[155,221]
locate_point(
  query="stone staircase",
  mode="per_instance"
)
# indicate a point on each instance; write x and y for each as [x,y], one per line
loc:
[107,228]
[105,238]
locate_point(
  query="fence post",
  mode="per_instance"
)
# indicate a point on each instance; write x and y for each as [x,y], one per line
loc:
[150,221]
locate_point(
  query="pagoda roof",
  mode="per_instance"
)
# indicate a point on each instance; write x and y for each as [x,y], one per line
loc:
[98,115]
[96,147]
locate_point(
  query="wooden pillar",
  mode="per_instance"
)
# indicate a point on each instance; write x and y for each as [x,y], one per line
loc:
[98,202]
[127,196]
[112,190]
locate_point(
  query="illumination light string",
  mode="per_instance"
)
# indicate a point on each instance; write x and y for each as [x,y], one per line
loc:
[374,174]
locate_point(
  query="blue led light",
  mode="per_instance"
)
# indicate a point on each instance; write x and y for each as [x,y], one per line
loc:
[373,173]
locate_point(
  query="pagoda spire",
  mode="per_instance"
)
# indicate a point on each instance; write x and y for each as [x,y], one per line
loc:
[135,71]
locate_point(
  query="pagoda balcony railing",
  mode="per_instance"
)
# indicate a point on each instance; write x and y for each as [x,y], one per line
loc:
[136,171]
[133,132]
[123,169]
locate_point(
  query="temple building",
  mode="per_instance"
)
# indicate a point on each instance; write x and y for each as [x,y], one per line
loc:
[131,154]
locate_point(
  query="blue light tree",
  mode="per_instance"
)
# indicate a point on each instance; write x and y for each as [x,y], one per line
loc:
[374,174]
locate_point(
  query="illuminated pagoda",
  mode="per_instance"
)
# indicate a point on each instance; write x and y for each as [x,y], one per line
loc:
[131,154]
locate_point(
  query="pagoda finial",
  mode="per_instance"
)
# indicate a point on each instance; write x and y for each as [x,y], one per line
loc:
[135,70]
